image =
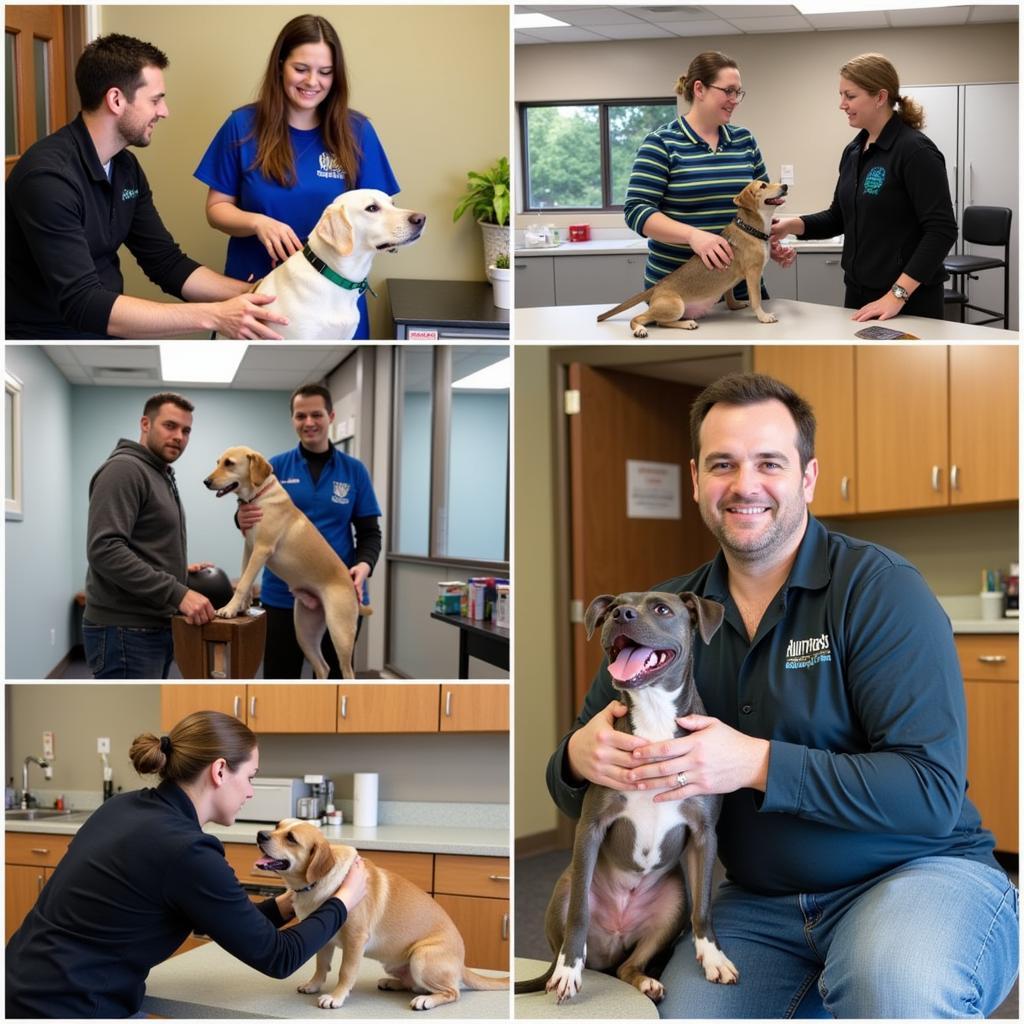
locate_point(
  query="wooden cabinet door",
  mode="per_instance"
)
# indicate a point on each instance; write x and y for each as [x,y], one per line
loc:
[23,885]
[35,848]
[824,376]
[992,757]
[474,707]
[291,707]
[483,925]
[902,427]
[387,707]
[982,423]
[180,699]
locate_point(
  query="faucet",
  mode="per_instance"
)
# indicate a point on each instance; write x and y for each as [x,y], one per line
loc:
[47,773]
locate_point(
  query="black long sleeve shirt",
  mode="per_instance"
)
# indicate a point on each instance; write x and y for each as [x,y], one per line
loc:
[893,208]
[65,224]
[138,877]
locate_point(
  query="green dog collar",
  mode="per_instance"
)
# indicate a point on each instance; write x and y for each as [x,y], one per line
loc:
[321,268]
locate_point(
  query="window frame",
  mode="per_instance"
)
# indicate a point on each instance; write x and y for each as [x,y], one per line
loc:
[14,502]
[603,106]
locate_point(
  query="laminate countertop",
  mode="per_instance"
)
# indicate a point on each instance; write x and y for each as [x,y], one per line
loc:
[627,246]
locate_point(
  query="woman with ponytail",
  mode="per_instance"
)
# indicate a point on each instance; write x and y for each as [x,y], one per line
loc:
[141,875]
[891,202]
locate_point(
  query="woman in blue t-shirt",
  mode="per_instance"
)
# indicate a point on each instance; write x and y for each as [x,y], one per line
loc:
[275,164]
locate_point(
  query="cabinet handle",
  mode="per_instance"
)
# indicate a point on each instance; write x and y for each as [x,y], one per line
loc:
[844,488]
[42,853]
[936,478]
[520,266]
[252,707]
[954,477]
[344,706]
[504,927]
[238,706]
[500,878]
[448,704]
[831,263]
[992,659]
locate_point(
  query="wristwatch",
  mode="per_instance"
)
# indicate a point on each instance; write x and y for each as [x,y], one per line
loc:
[900,292]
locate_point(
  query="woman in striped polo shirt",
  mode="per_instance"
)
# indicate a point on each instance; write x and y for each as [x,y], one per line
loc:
[687,172]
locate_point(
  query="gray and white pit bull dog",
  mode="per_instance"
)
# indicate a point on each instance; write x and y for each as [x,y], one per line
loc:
[623,897]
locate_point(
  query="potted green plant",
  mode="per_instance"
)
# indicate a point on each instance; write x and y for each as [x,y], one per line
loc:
[488,194]
[499,273]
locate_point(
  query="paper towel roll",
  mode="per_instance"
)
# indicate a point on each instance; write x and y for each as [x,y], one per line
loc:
[365,800]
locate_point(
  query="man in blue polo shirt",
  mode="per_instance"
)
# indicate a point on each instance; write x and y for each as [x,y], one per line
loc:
[859,880]
[334,490]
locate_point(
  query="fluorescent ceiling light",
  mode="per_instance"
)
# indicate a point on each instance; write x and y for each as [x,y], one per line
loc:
[201,362]
[846,7]
[537,21]
[496,377]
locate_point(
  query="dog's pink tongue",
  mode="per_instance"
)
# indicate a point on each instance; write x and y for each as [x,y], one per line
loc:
[265,863]
[630,661]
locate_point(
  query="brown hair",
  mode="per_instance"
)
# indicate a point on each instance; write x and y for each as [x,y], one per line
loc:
[153,403]
[274,156]
[114,61]
[750,389]
[311,391]
[703,68]
[194,743]
[873,72]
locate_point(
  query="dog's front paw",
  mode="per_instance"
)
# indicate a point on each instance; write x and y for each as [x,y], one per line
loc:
[640,332]
[566,981]
[229,611]
[652,988]
[717,966]
[332,1000]
[311,987]
[767,318]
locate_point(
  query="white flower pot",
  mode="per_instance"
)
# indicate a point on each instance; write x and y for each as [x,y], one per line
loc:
[501,282]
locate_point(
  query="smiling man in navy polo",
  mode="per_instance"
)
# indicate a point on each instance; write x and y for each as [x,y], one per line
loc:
[859,880]
[76,196]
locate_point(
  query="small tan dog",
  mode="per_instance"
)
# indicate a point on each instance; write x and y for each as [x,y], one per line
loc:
[396,922]
[693,289]
[295,550]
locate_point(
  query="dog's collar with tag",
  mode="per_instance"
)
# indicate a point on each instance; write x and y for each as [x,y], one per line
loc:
[305,888]
[750,230]
[333,276]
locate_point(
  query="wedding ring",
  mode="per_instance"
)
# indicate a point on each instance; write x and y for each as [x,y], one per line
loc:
[681,779]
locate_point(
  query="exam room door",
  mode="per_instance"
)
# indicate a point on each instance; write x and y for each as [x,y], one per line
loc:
[625,418]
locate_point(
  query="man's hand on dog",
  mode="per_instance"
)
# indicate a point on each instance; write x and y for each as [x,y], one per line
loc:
[246,317]
[248,515]
[353,889]
[715,757]
[599,753]
[196,608]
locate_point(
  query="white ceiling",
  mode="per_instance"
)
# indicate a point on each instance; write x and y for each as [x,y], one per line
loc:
[263,367]
[595,24]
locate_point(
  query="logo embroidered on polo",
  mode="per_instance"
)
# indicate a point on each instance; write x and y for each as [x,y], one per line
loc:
[874,181]
[329,167]
[129,193]
[340,492]
[809,652]
[290,480]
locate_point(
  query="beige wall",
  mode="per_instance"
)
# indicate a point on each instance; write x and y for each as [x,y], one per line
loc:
[433,80]
[948,548]
[791,79]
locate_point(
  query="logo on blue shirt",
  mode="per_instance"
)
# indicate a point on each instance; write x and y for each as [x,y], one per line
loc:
[874,181]
[340,492]
[129,193]
[329,167]
[809,652]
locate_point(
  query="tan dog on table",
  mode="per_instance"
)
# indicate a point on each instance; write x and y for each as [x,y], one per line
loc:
[396,922]
[295,550]
[692,289]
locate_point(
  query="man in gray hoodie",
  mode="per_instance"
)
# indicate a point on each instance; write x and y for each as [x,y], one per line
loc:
[136,549]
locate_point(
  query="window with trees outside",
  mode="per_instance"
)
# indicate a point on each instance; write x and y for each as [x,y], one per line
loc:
[578,156]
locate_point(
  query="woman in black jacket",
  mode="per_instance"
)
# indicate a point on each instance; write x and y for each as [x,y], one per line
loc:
[140,875]
[891,203]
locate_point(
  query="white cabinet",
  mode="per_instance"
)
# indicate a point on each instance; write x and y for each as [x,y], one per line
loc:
[819,278]
[534,281]
[975,127]
[781,284]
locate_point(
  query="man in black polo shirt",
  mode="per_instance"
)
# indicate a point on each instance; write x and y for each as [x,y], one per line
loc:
[859,880]
[77,195]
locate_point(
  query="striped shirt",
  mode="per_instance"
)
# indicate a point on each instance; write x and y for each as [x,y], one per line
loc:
[677,173]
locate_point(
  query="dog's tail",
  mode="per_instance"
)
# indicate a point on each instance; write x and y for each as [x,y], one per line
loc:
[639,297]
[365,609]
[480,983]
[535,984]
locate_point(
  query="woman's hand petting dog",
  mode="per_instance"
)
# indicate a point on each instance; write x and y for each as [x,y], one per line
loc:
[353,889]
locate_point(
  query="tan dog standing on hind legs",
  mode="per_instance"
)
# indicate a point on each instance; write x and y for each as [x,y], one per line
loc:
[692,289]
[285,540]
[396,922]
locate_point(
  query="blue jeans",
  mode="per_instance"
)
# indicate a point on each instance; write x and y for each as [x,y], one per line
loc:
[937,937]
[128,652]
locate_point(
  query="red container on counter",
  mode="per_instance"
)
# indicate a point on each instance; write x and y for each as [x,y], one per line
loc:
[579,232]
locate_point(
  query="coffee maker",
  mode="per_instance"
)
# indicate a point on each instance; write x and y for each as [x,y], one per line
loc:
[314,806]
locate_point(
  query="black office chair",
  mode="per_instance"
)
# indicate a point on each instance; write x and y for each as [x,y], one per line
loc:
[983,225]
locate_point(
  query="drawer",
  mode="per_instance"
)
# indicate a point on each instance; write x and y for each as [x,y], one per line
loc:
[418,868]
[991,657]
[472,876]
[35,848]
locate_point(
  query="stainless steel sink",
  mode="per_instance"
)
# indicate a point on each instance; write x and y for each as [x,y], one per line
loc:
[35,814]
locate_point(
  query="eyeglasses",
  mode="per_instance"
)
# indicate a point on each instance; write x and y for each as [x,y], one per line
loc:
[733,94]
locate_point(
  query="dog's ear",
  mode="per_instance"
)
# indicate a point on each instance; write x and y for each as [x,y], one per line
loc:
[596,613]
[707,615]
[746,198]
[321,862]
[335,229]
[259,469]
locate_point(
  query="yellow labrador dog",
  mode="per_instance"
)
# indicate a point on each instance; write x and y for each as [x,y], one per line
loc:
[396,922]
[295,550]
[692,289]
[318,287]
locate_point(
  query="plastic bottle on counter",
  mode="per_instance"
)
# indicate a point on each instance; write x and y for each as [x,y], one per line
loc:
[1013,591]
